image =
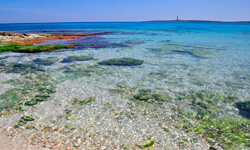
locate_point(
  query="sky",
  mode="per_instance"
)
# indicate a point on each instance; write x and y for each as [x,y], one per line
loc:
[29,11]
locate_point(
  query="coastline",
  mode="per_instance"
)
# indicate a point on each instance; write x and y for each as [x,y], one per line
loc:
[24,42]
[198,21]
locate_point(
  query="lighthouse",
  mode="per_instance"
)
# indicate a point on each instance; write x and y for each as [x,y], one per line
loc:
[177,19]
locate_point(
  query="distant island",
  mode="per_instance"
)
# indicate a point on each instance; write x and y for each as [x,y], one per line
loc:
[196,21]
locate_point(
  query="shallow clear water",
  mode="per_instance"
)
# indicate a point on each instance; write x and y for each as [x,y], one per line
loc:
[186,62]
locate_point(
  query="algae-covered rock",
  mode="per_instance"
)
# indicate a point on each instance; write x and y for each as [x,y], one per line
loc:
[76,58]
[40,98]
[159,97]
[47,90]
[142,97]
[126,61]
[244,108]
[36,99]
[31,48]
[145,143]
[27,118]
[23,68]
[146,95]
[30,103]
[9,99]
[45,61]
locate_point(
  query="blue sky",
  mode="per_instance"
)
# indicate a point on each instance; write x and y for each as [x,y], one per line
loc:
[21,11]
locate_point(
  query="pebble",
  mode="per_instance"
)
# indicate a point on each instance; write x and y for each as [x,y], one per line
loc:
[103,147]
[76,142]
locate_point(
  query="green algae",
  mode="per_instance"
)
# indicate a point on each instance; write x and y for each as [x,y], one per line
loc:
[142,97]
[40,98]
[30,127]
[145,143]
[27,118]
[7,47]
[37,99]
[24,120]
[30,103]
[9,99]
[68,125]
[159,97]
[68,111]
[146,95]
[27,85]
[83,102]
[71,118]
[126,61]
[124,147]
[23,69]
[76,58]
[228,132]
[47,90]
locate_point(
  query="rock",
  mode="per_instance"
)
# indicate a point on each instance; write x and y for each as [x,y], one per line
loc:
[244,108]
[76,58]
[27,118]
[45,61]
[103,147]
[145,143]
[126,61]
[77,142]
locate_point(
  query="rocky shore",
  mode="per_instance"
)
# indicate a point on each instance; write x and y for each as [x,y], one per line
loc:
[24,42]
[10,36]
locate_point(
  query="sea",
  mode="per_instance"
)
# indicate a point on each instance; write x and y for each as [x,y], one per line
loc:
[192,90]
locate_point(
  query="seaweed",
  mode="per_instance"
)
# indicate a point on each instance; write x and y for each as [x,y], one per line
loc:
[9,99]
[12,47]
[209,120]
[83,102]
[229,132]
[146,95]
[126,61]
[24,120]
[27,118]
[30,103]
[145,143]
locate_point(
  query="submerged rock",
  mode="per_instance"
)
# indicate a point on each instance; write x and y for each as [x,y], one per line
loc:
[244,108]
[145,143]
[27,118]
[23,68]
[126,61]
[142,96]
[30,103]
[76,58]
[147,95]
[45,61]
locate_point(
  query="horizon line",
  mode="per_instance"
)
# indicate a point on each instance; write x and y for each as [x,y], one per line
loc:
[218,21]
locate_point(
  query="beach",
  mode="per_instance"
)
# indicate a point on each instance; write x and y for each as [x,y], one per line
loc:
[136,85]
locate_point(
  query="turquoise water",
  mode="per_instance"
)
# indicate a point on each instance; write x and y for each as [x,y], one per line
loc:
[201,69]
